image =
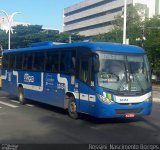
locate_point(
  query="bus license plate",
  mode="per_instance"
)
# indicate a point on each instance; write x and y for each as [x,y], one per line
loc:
[129,115]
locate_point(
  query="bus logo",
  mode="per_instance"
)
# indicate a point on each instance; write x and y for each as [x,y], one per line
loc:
[49,80]
[28,78]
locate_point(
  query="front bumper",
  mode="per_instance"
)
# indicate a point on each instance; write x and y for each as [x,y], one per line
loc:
[116,110]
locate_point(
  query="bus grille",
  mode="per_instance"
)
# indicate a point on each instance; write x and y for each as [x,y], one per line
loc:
[125,111]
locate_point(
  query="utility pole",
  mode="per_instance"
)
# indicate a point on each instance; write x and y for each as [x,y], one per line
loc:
[70,38]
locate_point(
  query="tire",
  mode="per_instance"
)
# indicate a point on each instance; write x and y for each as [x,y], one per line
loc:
[21,96]
[72,108]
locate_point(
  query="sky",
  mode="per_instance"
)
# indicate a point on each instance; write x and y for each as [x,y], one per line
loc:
[48,13]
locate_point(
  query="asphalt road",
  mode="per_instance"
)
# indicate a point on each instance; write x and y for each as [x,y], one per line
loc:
[42,124]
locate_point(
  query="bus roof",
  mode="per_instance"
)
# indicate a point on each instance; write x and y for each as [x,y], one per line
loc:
[94,46]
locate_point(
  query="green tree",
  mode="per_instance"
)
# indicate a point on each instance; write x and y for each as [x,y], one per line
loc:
[23,36]
[152,42]
[3,39]
[134,28]
[64,37]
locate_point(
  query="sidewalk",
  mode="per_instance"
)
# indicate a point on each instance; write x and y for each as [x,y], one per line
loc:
[156,87]
[156,93]
[157,100]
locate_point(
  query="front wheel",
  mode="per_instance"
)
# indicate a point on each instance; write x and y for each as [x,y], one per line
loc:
[21,96]
[72,111]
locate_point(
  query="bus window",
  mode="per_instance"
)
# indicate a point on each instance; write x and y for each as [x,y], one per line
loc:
[84,70]
[19,61]
[38,64]
[12,62]
[27,61]
[52,62]
[68,62]
[5,61]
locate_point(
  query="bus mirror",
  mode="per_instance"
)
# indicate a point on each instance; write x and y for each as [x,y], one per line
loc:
[72,80]
[96,63]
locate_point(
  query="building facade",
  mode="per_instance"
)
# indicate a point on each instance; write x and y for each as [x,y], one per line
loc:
[92,17]
[157,7]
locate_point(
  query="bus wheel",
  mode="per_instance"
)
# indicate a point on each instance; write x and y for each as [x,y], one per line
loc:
[72,108]
[21,96]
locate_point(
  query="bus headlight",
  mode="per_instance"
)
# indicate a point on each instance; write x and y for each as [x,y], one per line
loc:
[106,98]
[149,99]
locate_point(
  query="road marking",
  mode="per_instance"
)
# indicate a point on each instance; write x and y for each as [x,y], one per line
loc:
[7,104]
[30,105]
[3,97]
[14,101]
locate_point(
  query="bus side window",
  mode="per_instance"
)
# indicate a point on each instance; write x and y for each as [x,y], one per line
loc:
[38,64]
[27,61]
[12,62]
[68,62]
[52,62]
[5,61]
[19,59]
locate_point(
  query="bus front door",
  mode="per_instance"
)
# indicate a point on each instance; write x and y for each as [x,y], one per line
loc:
[84,79]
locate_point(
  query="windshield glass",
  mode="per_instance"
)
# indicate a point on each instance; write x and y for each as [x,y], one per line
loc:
[124,72]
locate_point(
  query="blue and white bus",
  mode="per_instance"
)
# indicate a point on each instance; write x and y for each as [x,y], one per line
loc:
[104,80]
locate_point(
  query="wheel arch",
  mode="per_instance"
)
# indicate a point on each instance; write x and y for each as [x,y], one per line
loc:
[68,94]
[20,86]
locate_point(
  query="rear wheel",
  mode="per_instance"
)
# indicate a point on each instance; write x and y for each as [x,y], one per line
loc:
[21,96]
[72,111]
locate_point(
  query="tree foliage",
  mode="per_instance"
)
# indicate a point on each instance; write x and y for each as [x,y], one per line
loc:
[134,26]
[23,36]
[152,42]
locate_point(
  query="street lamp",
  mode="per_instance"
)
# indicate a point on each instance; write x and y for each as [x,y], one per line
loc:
[9,19]
[125,22]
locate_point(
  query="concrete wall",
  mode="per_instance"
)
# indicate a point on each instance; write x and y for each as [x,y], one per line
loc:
[96,31]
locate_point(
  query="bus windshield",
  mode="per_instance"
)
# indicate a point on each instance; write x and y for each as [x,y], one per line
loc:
[124,72]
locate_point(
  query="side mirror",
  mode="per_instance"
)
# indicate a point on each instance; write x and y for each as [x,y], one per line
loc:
[96,63]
